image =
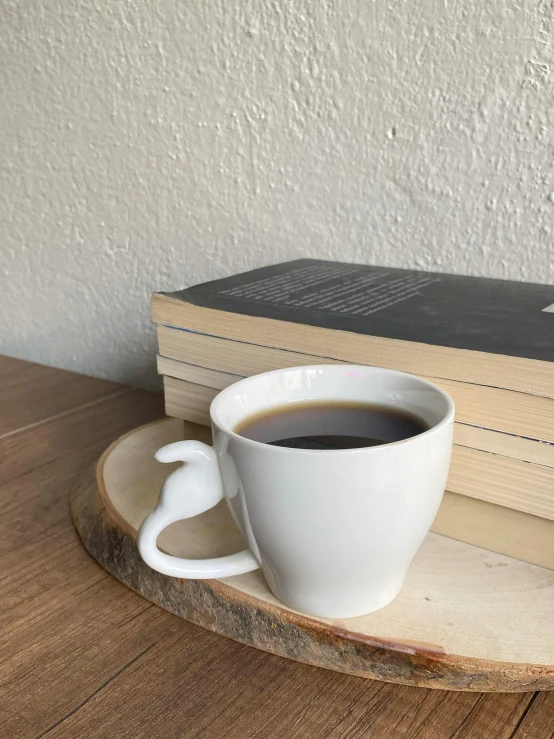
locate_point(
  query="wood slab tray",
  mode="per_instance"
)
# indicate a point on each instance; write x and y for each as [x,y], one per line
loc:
[466,619]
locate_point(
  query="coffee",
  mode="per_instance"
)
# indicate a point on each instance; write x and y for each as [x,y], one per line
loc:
[331,425]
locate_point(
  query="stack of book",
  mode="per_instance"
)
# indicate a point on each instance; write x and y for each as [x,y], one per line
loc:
[488,343]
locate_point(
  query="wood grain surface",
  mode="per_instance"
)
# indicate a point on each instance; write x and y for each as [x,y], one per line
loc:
[83,656]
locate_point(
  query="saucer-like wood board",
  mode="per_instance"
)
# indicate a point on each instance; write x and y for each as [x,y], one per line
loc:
[466,619]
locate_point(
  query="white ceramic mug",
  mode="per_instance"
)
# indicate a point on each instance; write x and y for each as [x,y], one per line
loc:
[333,531]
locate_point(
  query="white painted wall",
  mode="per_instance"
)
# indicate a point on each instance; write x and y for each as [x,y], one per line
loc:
[151,145]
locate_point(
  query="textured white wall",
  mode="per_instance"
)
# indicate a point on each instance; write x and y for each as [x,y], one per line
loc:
[150,145]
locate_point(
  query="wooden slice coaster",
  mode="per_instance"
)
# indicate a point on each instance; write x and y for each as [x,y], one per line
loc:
[466,619]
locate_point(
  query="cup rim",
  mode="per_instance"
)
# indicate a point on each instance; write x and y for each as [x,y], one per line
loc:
[436,428]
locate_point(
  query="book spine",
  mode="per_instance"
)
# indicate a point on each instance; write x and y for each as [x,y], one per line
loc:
[496,528]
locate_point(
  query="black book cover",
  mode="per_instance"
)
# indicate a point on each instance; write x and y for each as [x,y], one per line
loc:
[495,316]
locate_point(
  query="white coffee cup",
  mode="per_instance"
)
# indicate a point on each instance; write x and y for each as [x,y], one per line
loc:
[333,531]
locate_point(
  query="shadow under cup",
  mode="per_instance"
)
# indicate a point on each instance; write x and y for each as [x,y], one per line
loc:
[334,531]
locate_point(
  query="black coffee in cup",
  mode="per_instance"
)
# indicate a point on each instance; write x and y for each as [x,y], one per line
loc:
[331,425]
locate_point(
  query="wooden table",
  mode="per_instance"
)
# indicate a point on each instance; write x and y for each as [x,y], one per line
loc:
[83,656]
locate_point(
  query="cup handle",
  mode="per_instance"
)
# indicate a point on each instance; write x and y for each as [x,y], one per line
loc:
[193,488]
